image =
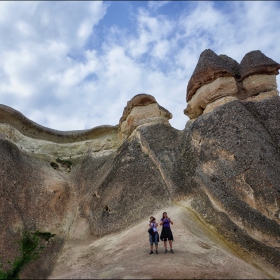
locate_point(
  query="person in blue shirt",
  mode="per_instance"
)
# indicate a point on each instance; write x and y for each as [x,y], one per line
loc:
[154,238]
[166,232]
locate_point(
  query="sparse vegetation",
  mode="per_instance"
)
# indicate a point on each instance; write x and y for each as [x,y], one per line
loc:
[44,235]
[30,249]
[68,163]
[54,165]
[64,163]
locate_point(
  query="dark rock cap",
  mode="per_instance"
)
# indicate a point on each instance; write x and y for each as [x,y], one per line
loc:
[141,99]
[209,67]
[255,62]
[232,64]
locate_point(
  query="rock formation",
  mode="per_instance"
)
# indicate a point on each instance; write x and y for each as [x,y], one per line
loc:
[34,138]
[142,109]
[217,80]
[95,189]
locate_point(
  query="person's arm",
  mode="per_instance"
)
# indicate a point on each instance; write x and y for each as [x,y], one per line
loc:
[161,223]
[156,224]
[170,221]
[149,224]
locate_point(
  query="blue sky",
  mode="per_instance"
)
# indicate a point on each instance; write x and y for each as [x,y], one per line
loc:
[74,65]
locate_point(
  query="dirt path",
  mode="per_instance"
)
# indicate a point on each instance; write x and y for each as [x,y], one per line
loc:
[125,255]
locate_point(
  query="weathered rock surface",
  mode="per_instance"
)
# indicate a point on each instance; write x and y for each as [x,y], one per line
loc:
[218,179]
[255,75]
[33,130]
[221,87]
[232,64]
[199,254]
[141,109]
[219,102]
[31,137]
[256,63]
[209,67]
[141,99]
[257,84]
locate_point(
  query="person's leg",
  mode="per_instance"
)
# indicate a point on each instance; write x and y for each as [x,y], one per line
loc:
[156,242]
[165,246]
[151,243]
[170,244]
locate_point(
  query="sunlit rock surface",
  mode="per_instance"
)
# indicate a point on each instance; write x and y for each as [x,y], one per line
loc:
[142,109]
[209,93]
[216,77]
[218,179]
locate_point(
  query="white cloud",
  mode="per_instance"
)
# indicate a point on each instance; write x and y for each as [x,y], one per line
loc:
[49,73]
[154,5]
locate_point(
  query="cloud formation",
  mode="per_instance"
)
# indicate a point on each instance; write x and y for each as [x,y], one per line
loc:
[64,68]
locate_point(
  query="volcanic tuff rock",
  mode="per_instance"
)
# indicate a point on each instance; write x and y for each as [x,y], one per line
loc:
[33,138]
[141,109]
[219,177]
[256,63]
[209,67]
[207,94]
[216,77]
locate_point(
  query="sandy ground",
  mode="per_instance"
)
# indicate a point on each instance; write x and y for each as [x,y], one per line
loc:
[198,254]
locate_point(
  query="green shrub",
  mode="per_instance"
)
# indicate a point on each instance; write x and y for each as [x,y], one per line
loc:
[30,250]
[68,163]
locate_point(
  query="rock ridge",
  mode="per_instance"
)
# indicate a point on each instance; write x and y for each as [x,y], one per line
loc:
[31,129]
[218,177]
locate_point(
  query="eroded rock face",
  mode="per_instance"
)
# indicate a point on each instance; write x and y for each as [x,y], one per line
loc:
[256,63]
[209,67]
[209,93]
[256,74]
[256,84]
[33,138]
[140,110]
[237,162]
[222,170]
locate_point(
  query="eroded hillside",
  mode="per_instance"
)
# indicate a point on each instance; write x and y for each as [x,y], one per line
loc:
[95,189]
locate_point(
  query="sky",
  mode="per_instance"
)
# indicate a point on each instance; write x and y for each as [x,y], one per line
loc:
[74,65]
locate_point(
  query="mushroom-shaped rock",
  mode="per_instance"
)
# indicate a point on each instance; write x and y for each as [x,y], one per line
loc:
[221,88]
[141,99]
[142,109]
[258,75]
[255,63]
[213,79]
[209,67]
[232,64]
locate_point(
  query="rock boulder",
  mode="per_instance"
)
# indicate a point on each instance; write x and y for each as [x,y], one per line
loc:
[209,67]
[140,110]
[256,74]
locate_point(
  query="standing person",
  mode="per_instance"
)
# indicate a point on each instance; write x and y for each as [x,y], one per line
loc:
[154,238]
[166,232]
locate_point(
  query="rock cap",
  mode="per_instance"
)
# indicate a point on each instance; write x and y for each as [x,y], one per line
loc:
[141,99]
[255,62]
[232,64]
[209,67]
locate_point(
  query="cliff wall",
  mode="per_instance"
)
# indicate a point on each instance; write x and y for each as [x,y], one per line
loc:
[223,167]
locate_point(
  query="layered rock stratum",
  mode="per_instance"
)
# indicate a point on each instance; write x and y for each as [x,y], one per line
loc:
[95,189]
